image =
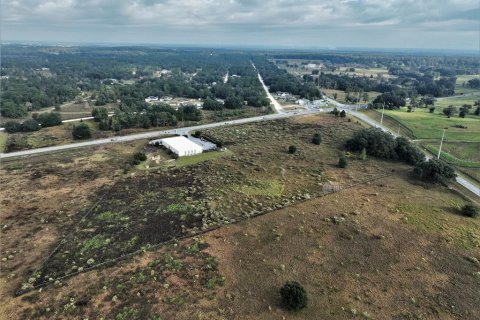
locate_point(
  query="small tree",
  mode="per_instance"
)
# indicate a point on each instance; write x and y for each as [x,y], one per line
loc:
[449,111]
[292,149]
[343,114]
[470,210]
[342,161]
[140,156]
[81,131]
[317,139]
[294,297]
[431,109]
[434,170]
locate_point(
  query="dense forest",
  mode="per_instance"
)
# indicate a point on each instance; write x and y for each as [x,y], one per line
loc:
[35,77]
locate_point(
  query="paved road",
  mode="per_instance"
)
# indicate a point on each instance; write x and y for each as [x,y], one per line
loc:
[110,114]
[149,135]
[462,180]
[278,107]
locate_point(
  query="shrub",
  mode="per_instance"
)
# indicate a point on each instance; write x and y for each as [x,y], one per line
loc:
[292,149]
[342,161]
[434,170]
[13,126]
[81,131]
[470,210]
[49,119]
[140,156]
[317,138]
[431,109]
[343,114]
[197,134]
[294,297]
[30,125]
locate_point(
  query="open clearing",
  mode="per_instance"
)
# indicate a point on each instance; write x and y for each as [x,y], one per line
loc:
[460,85]
[341,95]
[380,247]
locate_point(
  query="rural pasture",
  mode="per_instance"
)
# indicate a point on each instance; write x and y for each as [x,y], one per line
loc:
[99,237]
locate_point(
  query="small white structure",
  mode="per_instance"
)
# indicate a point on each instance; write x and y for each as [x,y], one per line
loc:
[181,146]
[151,99]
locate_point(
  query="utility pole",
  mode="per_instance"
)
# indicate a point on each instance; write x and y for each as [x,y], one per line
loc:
[383,111]
[441,143]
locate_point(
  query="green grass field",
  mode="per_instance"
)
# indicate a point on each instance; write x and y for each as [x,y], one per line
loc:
[449,158]
[456,101]
[425,125]
[461,79]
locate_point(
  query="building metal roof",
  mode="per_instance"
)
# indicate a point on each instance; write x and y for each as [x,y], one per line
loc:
[181,144]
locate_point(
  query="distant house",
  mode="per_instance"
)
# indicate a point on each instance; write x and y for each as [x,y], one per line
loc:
[151,99]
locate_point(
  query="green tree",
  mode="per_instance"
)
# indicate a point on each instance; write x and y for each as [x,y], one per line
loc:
[211,104]
[50,119]
[233,102]
[293,296]
[292,149]
[434,171]
[81,131]
[317,139]
[449,111]
[12,110]
[13,126]
[30,125]
[100,114]
[343,114]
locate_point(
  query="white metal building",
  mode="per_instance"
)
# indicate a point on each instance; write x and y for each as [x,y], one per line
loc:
[181,146]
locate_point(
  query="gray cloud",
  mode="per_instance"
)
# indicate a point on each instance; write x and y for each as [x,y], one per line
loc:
[430,23]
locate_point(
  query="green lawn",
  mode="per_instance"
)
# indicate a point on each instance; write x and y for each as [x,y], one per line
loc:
[425,125]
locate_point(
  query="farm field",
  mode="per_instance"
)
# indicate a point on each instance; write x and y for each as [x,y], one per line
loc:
[457,101]
[462,79]
[429,126]
[367,234]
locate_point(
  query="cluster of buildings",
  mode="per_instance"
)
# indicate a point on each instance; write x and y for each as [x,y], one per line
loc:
[175,102]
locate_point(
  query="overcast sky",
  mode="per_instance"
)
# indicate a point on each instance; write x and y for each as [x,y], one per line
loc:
[448,24]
